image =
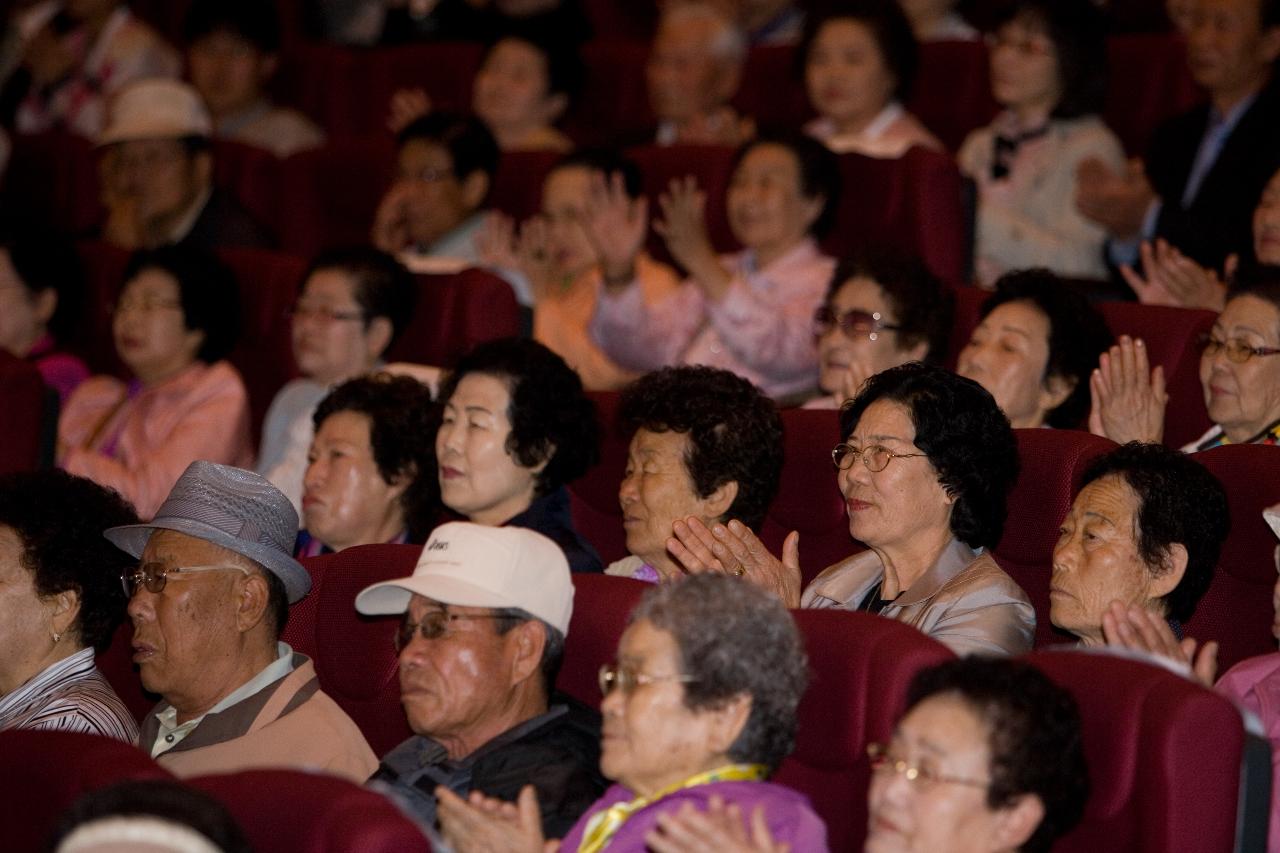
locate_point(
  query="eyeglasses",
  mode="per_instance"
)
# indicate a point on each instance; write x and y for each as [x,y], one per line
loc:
[1237,351]
[613,676]
[146,305]
[154,575]
[874,456]
[882,762]
[321,314]
[854,324]
[434,625]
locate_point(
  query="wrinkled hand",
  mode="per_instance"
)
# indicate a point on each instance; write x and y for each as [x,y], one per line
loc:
[1117,202]
[390,231]
[1129,399]
[1171,278]
[1141,630]
[616,226]
[684,228]
[407,105]
[481,824]
[733,549]
[720,829]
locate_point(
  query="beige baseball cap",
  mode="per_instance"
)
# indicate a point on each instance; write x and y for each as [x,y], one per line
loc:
[477,566]
[155,108]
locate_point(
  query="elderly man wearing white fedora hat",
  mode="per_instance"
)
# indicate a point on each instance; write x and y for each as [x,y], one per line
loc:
[486,612]
[208,601]
[156,171]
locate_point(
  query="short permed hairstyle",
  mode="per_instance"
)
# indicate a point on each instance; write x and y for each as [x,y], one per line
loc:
[44,260]
[470,145]
[734,432]
[1033,734]
[735,639]
[383,287]
[963,432]
[552,419]
[1179,503]
[889,28]
[1078,335]
[59,519]
[819,171]
[1261,281]
[208,291]
[921,303]
[256,22]
[403,420]
[1078,31]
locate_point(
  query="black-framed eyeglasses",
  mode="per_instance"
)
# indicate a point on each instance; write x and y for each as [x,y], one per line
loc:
[1237,351]
[153,575]
[322,314]
[854,324]
[874,456]
[611,677]
[883,762]
[434,625]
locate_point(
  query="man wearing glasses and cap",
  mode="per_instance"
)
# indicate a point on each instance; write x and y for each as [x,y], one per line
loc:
[486,612]
[208,601]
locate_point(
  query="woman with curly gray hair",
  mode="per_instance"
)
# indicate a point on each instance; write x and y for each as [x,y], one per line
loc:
[699,709]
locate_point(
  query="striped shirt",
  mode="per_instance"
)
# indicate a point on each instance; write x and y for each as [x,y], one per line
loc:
[69,696]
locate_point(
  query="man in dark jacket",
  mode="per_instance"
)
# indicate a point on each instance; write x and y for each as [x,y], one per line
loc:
[485,615]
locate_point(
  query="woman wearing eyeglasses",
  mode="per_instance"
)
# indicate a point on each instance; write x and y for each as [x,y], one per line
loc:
[699,708]
[1035,345]
[883,308]
[925,466]
[1239,372]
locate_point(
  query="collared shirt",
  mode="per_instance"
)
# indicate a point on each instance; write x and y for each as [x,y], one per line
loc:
[889,135]
[69,695]
[182,227]
[172,732]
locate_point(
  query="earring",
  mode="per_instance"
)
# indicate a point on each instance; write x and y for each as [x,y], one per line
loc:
[57,638]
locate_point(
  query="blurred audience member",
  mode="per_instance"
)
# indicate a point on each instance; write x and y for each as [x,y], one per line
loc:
[371,475]
[859,66]
[705,443]
[763,21]
[174,324]
[938,20]
[1048,72]
[80,55]
[152,815]
[1238,372]
[694,69]
[208,601]
[750,312]
[555,252]
[352,306]
[1035,348]
[156,171]
[516,429]
[1206,168]
[883,308]
[233,49]
[61,604]
[484,620]
[1145,530]
[41,286]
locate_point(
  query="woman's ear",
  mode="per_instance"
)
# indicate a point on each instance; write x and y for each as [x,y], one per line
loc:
[1054,391]
[721,498]
[1172,570]
[64,608]
[728,721]
[1017,822]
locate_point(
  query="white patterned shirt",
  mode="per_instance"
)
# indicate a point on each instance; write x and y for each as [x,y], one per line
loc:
[70,696]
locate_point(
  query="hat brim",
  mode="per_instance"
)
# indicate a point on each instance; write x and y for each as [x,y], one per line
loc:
[132,538]
[393,596]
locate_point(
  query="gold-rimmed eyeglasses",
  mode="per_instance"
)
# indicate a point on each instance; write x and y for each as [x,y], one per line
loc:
[154,575]
[617,677]
[883,762]
[874,456]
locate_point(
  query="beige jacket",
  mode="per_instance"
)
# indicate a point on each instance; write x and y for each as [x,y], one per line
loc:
[965,601]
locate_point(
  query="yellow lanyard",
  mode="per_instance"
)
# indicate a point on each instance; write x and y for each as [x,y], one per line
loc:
[602,827]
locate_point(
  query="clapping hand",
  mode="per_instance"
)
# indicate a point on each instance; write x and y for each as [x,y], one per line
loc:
[684,228]
[1171,278]
[719,829]
[616,226]
[1117,202]
[1129,399]
[733,549]
[1141,630]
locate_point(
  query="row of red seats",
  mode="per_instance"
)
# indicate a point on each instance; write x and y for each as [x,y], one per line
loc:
[1165,755]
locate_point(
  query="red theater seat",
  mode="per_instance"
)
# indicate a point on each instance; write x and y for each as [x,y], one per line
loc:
[43,773]
[601,605]
[952,95]
[593,497]
[455,312]
[772,90]
[354,655]
[964,319]
[1148,82]
[443,69]
[1053,460]
[517,186]
[711,165]
[286,811]
[614,104]
[52,178]
[23,418]
[333,193]
[252,175]
[1236,611]
[860,668]
[1164,754]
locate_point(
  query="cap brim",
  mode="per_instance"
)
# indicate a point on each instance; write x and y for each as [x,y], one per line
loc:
[132,539]
[393,596]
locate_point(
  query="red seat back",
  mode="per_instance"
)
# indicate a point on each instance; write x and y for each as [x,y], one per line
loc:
[1170,335]
[22,419]
[517,185]
[1147,82]
[443,69]
[43,773]
[1053,462]
[711,165]
[453,313]
[252,176]
[354,655]
[860,668]
[104,266]
[593,497]
[614,103]
[809,498]
[1236,610]
[964,319]
[333,193]
[52,178]
[601,605]
[286,811]
[1164,756]
[952,95]
[773,89]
